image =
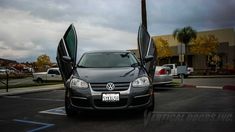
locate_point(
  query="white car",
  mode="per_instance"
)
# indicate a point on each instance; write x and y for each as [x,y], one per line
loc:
[174,72]
[162,75]
[52,74]
[4,71]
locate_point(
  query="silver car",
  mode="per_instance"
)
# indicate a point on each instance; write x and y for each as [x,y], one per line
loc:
[162,75]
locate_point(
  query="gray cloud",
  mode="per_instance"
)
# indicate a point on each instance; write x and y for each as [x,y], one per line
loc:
[200,14]
[29,28]
[119,14]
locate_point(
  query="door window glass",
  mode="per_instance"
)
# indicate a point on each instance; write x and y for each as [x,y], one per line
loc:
[70,39]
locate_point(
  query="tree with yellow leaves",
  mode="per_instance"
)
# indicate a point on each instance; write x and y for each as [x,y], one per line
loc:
[206,45]
[43,62]
[163,49]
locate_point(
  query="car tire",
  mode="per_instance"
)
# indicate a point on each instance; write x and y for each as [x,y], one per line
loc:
[69,110]
[148,113]
[152,105]
[39,80]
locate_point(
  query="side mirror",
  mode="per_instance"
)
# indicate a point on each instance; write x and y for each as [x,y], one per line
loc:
[67,59]
[148,58]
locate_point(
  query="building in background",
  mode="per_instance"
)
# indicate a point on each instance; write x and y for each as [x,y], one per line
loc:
[226,50]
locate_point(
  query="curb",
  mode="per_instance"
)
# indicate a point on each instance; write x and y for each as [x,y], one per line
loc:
[187,86]
[210,87]
[207,76]
[212,76]
[226,87]
[229,87]
[29,91]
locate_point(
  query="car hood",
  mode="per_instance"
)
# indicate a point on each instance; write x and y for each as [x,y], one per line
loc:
[104,75]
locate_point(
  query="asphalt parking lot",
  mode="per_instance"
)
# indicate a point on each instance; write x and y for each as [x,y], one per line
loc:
[177,109]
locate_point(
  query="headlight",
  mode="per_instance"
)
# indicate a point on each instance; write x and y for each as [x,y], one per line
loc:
[141,82]
[77,83]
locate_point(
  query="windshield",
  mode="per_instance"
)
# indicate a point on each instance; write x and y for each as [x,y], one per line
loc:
[107,60]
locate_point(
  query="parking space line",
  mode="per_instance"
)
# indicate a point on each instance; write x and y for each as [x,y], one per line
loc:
[213,87]
[44,125]
[54,111]
[12,97]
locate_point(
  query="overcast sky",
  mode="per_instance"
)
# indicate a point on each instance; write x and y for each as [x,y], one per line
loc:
[29,28]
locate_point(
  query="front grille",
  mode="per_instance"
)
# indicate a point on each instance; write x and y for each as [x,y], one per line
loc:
[121,86]
[120,103]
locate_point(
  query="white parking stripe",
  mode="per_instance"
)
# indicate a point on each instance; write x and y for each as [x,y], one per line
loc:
[54,111]
[214,87]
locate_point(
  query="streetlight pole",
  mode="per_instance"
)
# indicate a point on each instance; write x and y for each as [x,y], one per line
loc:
[144,13]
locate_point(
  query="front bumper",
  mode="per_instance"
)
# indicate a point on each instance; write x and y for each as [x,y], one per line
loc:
[162,79]
[131,98]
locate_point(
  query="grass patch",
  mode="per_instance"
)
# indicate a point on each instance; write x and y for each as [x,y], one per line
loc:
[175,83]
[29,85]
[15,76]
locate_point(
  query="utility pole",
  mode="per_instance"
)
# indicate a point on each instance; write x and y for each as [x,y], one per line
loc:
[144,13]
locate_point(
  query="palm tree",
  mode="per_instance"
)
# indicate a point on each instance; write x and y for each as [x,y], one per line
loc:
[185,36]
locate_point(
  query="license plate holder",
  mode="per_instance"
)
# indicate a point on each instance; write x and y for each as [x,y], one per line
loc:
[110,97]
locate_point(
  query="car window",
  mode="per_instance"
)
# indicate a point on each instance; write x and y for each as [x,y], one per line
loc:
[171,66]
[56,72]
[107,60]
[70,41]
[51,72]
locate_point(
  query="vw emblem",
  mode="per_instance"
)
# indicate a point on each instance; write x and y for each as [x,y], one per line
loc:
[110,86]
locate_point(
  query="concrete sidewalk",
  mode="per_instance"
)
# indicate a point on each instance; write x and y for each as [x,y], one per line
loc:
[224,82]
[24,90]
[225,87]
[208,76]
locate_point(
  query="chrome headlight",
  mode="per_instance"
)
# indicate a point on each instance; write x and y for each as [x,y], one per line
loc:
[141,82]
[77,83]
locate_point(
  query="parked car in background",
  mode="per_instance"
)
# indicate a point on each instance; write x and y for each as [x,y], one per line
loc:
[9,70]
[174,72]
[3,70]
[28,70]
[162,75]
[52,74]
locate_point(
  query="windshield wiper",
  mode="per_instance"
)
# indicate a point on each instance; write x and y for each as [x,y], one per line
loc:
[125,55]
[134,65]
[82,66]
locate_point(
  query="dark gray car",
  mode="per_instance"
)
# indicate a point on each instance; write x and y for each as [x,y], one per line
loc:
[104,80]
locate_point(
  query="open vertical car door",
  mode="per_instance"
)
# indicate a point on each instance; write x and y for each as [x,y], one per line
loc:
[143,41]
[67,52]
[146,49]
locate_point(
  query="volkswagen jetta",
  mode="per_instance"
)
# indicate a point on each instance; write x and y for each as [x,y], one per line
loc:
[104,80]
